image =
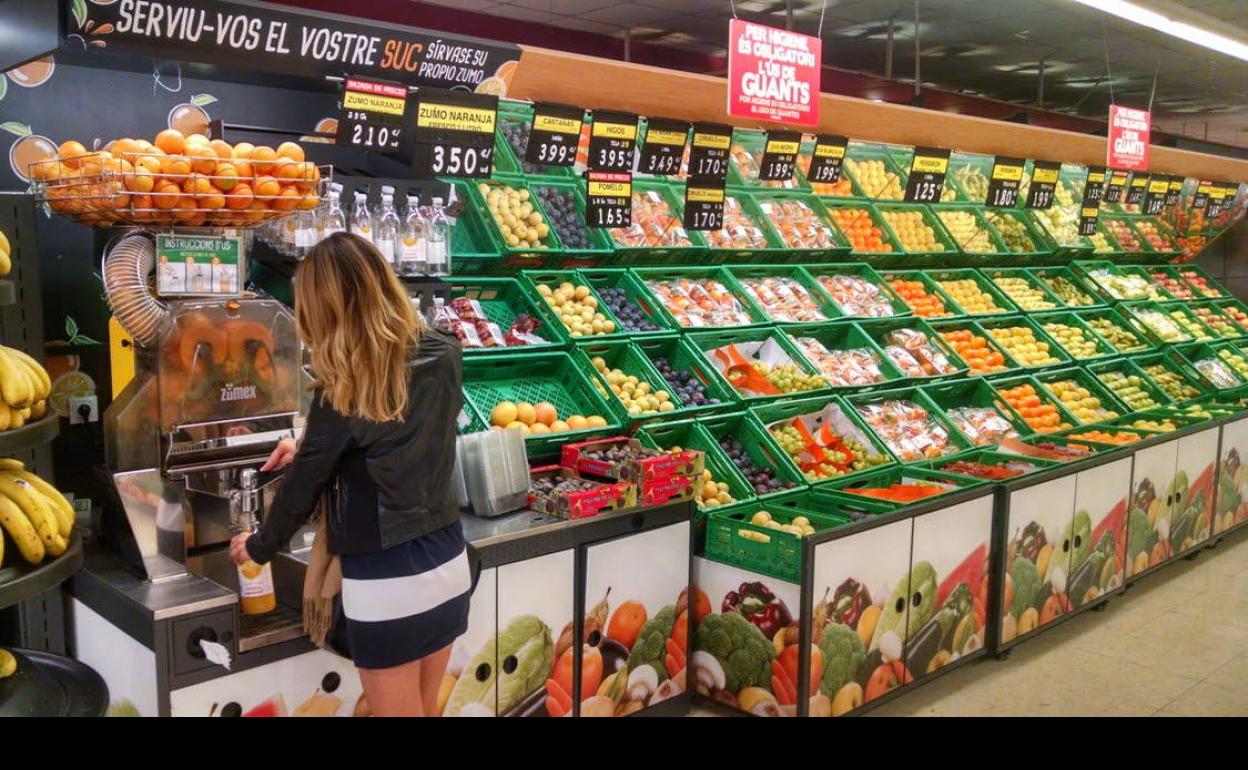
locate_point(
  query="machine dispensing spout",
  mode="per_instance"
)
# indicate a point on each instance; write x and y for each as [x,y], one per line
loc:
[245,502]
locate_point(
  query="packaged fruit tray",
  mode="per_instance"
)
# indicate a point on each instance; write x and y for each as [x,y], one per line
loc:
[1219,318]
[801,226]
[1220,366]
[689,376]
[515,122]
[1025,342]
[730,487]
[696,298]
[1034,404]
[567,301]
[843,353]
[626,378]
[1129,384]
[857,290]
[1130,244]
[920,234]
[1020,236]
[1234,310]
[1117,331]
[991,466]
[784,294]
[539,380]
[1116,284]
[1078,340]
[757,365]
[1082,394]
[1173,375]
[984,357]
[504,303]
[977,411]
[741,536]
[875,172]
[1027,292]
[822,438]
[896,487]
[564,206]
[510,204]
[624,295]
[657,234]
[1201,282]
[972,293]
[915,348]
[758,458]
[746,236]
[920,294]
[911,426]
[1069,288]
[1164,323]
[970,232]
[869,238]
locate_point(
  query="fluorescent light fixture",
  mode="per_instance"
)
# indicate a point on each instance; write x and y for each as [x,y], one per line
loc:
[1154,19]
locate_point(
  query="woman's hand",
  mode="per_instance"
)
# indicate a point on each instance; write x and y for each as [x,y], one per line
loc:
[283,455]
[238,548]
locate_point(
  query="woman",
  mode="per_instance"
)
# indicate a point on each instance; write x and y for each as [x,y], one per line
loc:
[382,427]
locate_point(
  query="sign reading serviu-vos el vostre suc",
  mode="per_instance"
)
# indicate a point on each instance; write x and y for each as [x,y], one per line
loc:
[265,38]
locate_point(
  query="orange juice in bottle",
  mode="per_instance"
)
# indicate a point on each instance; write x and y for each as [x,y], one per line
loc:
[255,588]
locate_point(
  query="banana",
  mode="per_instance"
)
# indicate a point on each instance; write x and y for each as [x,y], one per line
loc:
[4,416]
[14,386]
[8,664]
[39,409]
[11,464]
[21,530]
[35,509]
[60,507]
[16,418]
[41,374]
[6,264]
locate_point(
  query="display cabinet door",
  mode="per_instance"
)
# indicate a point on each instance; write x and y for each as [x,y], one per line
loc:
[470,685]
[535,607]
[1231,508]
[1198,465]
[316,683]
[1151,507]
[636,621]
[1037,557]
[869,602]
[1098,531]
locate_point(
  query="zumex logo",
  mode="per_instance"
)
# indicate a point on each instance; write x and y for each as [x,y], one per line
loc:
[238,393]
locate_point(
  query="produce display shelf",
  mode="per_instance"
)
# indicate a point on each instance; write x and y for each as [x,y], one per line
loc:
[1072,320]
[825,277]
[1063,279]
[837,337]
[732,354]
[21,581]
[747,275]
[879,408]
[825,420]
[687,289]
[31,434]
[675,244]
[980,394]
[1027,292]
[945,279]
[733,538]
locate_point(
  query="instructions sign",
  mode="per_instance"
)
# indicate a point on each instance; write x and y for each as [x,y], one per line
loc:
[198,265]
[773,74]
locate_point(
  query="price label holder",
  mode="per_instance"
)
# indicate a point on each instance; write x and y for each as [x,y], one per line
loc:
[611,141]
[1155,195]
[1044,176]
[827,159]
[453,134]
[704,204]
[609,198]
[555,134]
[1135,191]
[779,156]
[1204,191]
[1174,190]
[1087,219]
[664,149]
[1007,176]
[927,175]
[371,116]
[1220,198]
[1117,183]
[708,150]
[1094,188]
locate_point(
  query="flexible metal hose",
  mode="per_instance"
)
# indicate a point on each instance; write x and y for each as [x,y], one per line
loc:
[127,271]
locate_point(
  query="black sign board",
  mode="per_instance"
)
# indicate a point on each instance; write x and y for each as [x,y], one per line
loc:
[1087,219]
[779,156]
[664,149]
[611,141]
[453,133]
[927,175]
[1044,175]
[1174,190]
[1204,191]
[609,198]
[1135,191]
[1007,176]
[1094,188]
[371,115]
[704,204]
[827,158]
[1155,195]
[555,133]
[708,150]
[1222,199]
[263,38]
[1117,183]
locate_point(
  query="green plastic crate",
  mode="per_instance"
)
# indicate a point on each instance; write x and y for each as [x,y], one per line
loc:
[1233,309]
[1191,272]
[1083,296]
[502,299]
[602,279]
[472,250]
[688,434]
[981,253]
[966,181]
[858,153]
[993,457]
[1111,406]
[682,356]
[1040,298]
[672,275]
[1008,383]
[1167,277]
[756,446]
[1168,247]
[825,501]
[1140,313]
[1103,348]
[1158,292]
[944,327]
[1124,252]
[1125,368]
[747,149]
[847,425]
[527,253]
[1099,316]
[818,219]
[992,324]
[747,276]
[553,377]
[999,298]
[1186,385]
[879,330]
[600,246]
[949,251]
[823,277]
[1195,353]
[707,342]
[843,335]
[1064,249]
[975,392]
[1099,275]
[929,286]
[531,279]
[767,551]
[629,253]
[1041,250]
[1212,313]
[774,250]
[622,354]
[513,155]
[915,397]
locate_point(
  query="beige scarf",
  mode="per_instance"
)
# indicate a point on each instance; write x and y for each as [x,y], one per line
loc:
[321,584]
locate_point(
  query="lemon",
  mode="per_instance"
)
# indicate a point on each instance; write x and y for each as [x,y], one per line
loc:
[69,385]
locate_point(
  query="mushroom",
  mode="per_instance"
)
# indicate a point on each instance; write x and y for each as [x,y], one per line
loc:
[670,688]
[890,646]
[708,674]
[642,682]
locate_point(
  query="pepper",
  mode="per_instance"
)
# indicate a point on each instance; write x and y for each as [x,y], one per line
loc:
[850,599]
[760,606]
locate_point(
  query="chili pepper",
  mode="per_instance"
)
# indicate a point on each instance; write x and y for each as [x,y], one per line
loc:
[850,599]
[760,606]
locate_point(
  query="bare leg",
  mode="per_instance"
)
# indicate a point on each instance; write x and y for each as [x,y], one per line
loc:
[432,667]
[395,692]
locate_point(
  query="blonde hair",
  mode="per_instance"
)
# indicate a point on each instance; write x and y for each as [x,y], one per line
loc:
[354,314]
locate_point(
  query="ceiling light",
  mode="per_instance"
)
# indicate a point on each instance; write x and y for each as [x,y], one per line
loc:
[1134,12]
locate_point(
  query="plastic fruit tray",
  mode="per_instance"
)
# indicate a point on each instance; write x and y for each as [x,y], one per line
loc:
[502,299]
[1050,276]
[976,392]
[1125,367]
[530,254]
[1084,379]
[729,310]
[621,279]
[682,356]
[773,252]
[1003,304]
[843,335]
[992,325]
[1042,398]
[878,331]
[780,414]
[624,355]
[819,218]
[531,279]
[956,443]
[929,287]
[1040,295]
[746,274]
[599,245]
[1103,348]
[731,538]
[709,341]
[817,274]
[947,326]
[693,252]
[1090,317]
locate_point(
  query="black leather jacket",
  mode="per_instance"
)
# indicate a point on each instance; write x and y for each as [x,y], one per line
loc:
[391,481]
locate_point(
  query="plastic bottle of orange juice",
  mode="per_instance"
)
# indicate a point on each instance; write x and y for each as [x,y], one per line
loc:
[255,581]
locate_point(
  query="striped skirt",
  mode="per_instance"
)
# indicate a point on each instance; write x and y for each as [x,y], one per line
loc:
[408,601]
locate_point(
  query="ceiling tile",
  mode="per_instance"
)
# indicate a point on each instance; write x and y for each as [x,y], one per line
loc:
[565,7]
[525,14]
[465,5]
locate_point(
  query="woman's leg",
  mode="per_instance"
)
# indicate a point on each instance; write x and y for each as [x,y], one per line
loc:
[432,668]
[395,692]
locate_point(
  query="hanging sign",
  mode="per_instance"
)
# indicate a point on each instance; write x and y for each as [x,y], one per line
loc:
[779,156]
[371,116]
[773,74]
[1204,190]
[1155,196]
[1007,175]
[704,204]
[608,199]
[708,150]
[555,134]
[1117,183]
[1135,190]
[1044,175]
[611,141]
[1221,198]
[826,159]
[927,175]
[1127,144]
[1094,188]
[1174,190]
[664,150]
[453,134]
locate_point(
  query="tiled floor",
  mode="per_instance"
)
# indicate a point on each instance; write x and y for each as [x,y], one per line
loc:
[1176,644]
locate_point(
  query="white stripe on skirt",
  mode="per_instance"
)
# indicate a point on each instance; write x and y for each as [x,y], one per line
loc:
[375,601]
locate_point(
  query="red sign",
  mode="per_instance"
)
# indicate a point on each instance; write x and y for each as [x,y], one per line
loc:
[1127,146]
[773,74]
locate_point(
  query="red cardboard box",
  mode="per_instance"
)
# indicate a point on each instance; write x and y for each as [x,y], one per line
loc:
[644,466]
[604,496]
[670,490]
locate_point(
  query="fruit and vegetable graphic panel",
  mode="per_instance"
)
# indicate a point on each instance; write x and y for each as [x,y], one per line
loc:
[955,543]
[474,656]
[1198,458]
[1231,508]
[1155,485]
[745,639]
[1040,529]
[870,599]
[637,622]
[1098,546]
[314,684]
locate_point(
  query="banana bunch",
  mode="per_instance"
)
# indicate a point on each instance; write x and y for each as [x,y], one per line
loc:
[37,517]
[6,261]
[24,389]
[8,664]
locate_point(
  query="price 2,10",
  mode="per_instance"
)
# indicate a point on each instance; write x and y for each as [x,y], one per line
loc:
[611,216]
[555,154]
[369,135]
[460,161]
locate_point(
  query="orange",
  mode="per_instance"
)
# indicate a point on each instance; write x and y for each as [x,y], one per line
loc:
[197,186]
[213,200]
[196,140]
[142,205]
[290,150]
[239,197]
[287,201]
[223,149]
[243,150]
[546,412]
[196,219]
[257,211]
[149,162]
[166,195]
[226,176]
[123,148]
[285,169]
[175,167]
[140,181]
[309,201]
[263,157]
[203,159]
[170,141]
[244,169]
[308,176]
[185,212]
[267,187]
[70,153]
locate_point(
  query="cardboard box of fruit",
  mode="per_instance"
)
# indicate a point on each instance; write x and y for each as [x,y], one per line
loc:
[560,491]
[627,460]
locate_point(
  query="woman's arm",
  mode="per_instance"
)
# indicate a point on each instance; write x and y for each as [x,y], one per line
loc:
[325,437]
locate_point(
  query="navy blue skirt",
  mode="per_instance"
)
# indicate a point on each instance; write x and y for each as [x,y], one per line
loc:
[408,601]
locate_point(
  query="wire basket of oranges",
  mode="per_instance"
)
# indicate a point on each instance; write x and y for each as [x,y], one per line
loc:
[177,180]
